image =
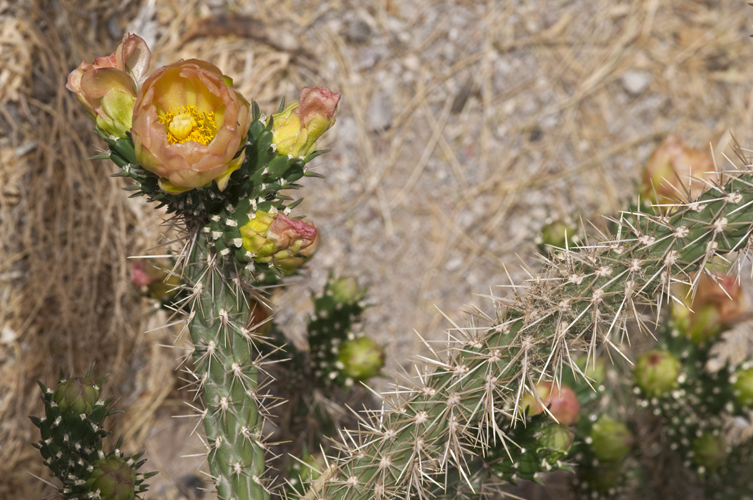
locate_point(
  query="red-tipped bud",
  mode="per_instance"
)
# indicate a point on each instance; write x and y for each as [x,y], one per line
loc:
[656,372]
[561,402]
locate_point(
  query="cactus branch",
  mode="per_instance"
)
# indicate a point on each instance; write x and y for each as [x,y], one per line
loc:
[227,369]
[581,302]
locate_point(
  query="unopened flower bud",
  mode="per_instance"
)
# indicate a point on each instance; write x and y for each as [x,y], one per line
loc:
[107,89]
[76,396]
[717,303]
[744,387]
[559,233]
[656,372]
[291,264]
[709,451]
[673,170]
[346,290]
[561,402]
[297,128]
[557,438]
[362,358]
[158,283]
[610,440]
[276,237]
[114,479]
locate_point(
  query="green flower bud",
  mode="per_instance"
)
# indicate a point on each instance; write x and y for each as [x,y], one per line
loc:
[76,396]
[362,358]
[114,479]
[610,440]
[744,387]
[558,234]
[656,372]
[709,451]
[557,438]
[346,290]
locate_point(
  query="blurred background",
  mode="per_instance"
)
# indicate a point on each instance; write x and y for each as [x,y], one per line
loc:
[464,126]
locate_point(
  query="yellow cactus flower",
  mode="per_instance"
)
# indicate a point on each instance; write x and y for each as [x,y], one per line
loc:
[107,89]
[297,128]
[188,126]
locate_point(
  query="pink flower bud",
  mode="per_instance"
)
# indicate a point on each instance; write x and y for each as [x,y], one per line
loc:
[717,303]
[674,171]
[297,128]
[107,89]
[561,402]
[276,238]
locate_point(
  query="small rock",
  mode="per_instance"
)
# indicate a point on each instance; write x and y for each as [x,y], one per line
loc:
[635,82]
[379,112]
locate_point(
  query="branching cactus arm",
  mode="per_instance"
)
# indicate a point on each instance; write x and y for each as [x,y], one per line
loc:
[580,303]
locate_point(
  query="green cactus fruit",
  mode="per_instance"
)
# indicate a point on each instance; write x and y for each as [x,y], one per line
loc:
[657,372]
[114,478]
[709,451]
[557,439]
[562,402]
[346,290]
[744,387]
[610,440]
[362,358]
[76,396]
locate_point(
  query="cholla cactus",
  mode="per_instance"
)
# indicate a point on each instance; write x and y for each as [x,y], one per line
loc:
[462,426]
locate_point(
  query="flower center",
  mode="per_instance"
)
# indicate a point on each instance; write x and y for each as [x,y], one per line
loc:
[189,125]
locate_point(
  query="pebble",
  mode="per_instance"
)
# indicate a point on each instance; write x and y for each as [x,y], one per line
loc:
[635,82]
[379,112]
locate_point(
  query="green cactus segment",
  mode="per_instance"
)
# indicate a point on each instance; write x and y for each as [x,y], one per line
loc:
[226,367]
[72,431]
[340,355]
[582,301]
[262,175]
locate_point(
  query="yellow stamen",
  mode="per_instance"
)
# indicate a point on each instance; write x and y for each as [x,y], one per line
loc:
[189,125]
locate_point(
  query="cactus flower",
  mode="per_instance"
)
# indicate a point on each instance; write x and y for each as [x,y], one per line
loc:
[657,372]
[107,89]
[188,126]
[76,396]
[610,440]
[289,265]
[274,238]
[674,171]
[297,128]
[362,358]
[562,402]
[718,303]
[113,478]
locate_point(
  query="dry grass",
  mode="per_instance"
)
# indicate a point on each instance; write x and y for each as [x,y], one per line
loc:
[501,113]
